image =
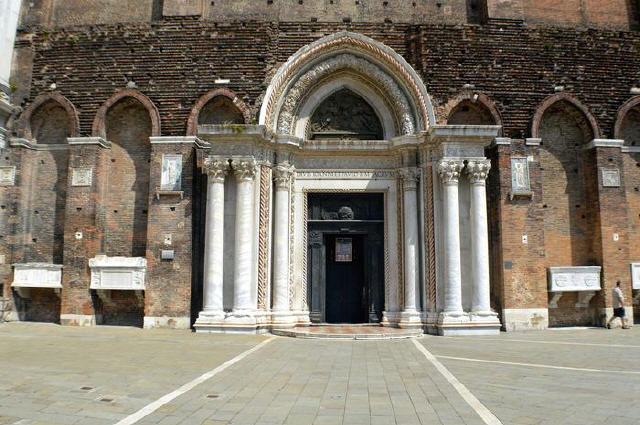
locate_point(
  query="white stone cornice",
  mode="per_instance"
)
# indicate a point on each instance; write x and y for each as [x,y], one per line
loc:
[449,170]
[282,175]
[531,141]
[17,142]
[503,141]
[216,168]
[409,176]
[478,170]
[75,141]
[244,168]
[174,140]
[604,143]
[216,132]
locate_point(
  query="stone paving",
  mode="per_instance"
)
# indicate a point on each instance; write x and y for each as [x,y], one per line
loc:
[58,375]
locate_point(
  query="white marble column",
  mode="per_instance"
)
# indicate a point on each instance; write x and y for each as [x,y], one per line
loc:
[216,169]
[478,170]
[245,170]
[449,172]
[282,175]
[409,177]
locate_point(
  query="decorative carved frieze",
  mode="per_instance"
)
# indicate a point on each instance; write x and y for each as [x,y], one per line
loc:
[449,170]
[245,168]
[282,174]
[478,170]
[216,168]
[346,174]
[409,176]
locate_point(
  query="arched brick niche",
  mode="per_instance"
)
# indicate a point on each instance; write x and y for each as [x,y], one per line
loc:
[628,128]
[220,106]
[565,127]
[49,119]
[471,109]
[99,122]
[128,126]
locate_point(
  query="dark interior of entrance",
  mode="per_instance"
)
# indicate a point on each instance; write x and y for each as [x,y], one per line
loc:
[346,257]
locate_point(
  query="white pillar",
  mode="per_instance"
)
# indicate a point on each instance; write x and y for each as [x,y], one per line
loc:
[449,171]
[245,170]
[410,206]
[478,170]
[282,175]
[216,169]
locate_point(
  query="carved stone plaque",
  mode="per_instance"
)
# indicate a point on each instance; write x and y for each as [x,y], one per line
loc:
[171,178]
[635,275]
[570,279]
[610,177]
[520,182]
[121,273]
[81,176]
[7,176]
[37,275]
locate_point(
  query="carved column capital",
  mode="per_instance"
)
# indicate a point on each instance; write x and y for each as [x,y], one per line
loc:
[449,170]
[216,168]
[478,170]
[244,168]
[409,176]
[282,175]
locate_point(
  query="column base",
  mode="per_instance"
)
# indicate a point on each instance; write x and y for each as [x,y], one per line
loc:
[167,322]
[391,318]
[452,324]
[410,319]
[283,319]
[525,319]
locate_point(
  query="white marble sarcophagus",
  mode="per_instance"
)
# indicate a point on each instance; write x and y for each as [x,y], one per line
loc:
[118,273]
[585,280]
[36,275]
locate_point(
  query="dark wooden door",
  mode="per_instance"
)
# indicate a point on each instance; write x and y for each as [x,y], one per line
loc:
[345,279]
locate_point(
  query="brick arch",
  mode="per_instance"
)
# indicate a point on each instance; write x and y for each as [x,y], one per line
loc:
[550,101]
[73,122]
[99,122]
[624,110]
[192,121]
[483,100]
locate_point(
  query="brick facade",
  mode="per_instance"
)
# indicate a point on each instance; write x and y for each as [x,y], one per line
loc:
[129,82]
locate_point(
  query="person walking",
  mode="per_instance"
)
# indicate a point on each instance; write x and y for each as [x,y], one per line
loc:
[618,307]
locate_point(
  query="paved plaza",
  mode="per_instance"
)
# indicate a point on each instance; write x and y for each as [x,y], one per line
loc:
[107,375]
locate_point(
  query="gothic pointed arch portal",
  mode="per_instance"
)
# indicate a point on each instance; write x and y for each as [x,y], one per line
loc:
[367,67]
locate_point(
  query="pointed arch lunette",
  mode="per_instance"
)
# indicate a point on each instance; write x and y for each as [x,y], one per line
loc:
[386,60]
[73,121]
[622,114]
[99,122]
[192,121]
[551,100]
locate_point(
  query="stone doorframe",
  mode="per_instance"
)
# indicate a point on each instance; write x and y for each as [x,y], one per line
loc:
[349,181]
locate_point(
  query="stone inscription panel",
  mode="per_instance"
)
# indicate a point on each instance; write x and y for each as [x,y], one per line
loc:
[7,176]
[570,279]
[81,176]
[635,275]
[520,182]
[171,178]
[610,177]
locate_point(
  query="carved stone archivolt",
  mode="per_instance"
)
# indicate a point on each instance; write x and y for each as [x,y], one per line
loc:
[216,168]
[352,42]
[449,170]
[478,170]
[396,97]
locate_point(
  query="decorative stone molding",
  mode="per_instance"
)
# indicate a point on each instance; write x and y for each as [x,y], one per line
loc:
[244,168]
[36,275]
[584,279]
[478,170]
[118,273]
[409,176]
[449,170]
[352,42]
[216,168]
[362,66]
[282,174]
[610,177]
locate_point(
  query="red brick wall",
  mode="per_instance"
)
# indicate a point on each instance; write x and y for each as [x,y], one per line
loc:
[128,128]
